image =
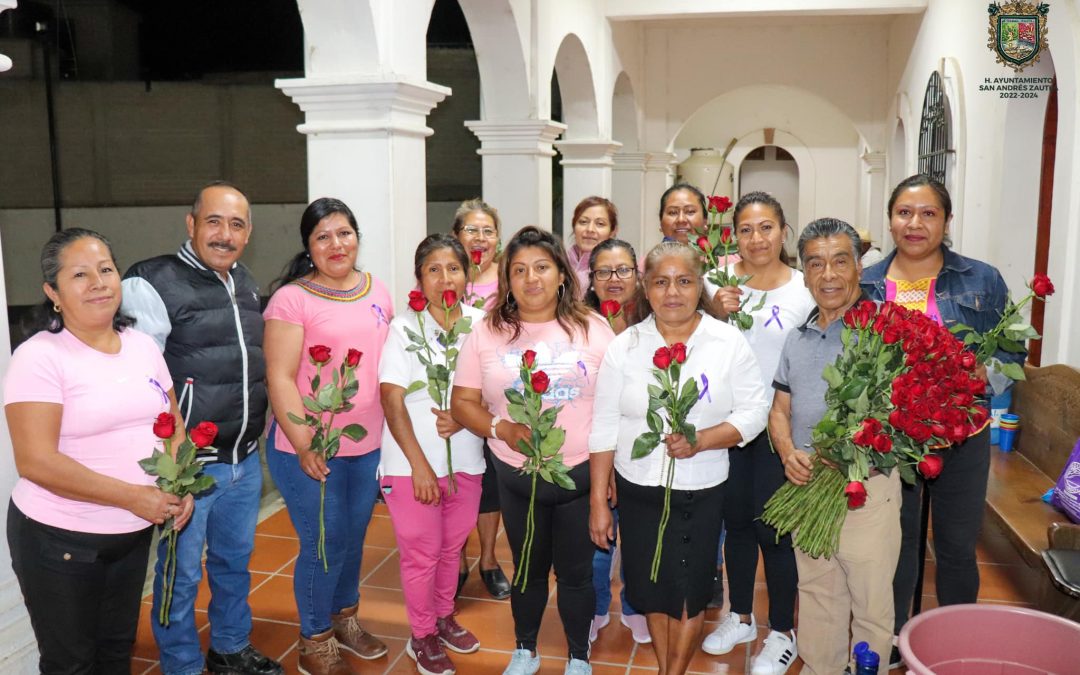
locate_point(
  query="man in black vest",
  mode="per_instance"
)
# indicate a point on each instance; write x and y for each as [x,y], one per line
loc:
[202,308]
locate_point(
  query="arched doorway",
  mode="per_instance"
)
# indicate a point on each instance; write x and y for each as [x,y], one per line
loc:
[772,169]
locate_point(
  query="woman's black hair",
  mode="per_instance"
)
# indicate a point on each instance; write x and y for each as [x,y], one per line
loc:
[592,300]
[435,242]
[48,318]
[689,188]
[766,199]
[301,263]
[569,311]
[923,180]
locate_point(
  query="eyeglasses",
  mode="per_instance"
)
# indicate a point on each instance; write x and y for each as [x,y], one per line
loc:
[605,274]
[487,232]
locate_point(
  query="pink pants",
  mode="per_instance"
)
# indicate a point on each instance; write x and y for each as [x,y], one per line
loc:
[429,542]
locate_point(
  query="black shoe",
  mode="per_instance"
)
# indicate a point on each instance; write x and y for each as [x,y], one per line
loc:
[895,660]
[462,577]
[247,661]
[497,583]
[717,590]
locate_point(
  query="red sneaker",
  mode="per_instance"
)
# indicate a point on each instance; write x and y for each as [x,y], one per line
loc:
[429,655]
[455,637]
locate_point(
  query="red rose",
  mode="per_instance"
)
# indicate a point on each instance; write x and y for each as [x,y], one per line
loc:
[883,444]
[871,426]
[703,244]
[540,382]
[725,236]
[719,204]
[352,359]
[930,466]
[938,429]
[165,425]
[1042,286]
[662,358]
[529,358]
[417,301]
[979,417]
[856,494]
[957,433]
[896,418]
[610,309]
[920,433]
[890,335]
[449,298]
[477,256]
[320,354]
[851,317]
[203,434]
[862,438]
[678,352]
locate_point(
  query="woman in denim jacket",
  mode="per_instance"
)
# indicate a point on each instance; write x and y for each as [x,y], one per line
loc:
[924,273]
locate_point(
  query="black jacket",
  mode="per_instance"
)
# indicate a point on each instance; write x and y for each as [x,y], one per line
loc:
[211,336]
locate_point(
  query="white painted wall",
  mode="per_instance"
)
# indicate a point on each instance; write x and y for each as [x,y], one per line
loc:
[780,178]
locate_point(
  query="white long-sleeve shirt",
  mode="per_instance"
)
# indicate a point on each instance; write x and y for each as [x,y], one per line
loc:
[731,391]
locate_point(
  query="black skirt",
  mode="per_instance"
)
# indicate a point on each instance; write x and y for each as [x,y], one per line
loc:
[688,559]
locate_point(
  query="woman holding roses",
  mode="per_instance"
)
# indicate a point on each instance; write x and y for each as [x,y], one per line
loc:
[537,321]
[595,220]
[731,409]
[924,273]
[81,398]
[431,519]
[755,470]
[324,307]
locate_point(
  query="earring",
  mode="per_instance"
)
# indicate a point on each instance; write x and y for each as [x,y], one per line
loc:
[562,290]
[510,301]
[56,308]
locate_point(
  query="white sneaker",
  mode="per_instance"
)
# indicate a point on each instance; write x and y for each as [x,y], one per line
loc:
[522,662]
[598,622]
[639,628]
[777,654]
[577,667]
[728,634]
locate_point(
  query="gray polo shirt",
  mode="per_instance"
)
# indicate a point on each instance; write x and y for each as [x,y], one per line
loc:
[807,350]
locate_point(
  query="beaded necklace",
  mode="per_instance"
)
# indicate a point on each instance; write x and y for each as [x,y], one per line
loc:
[348,295]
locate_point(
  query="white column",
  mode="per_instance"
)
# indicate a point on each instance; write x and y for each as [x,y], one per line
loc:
[586,172]
[517,169]
[659,174]
[365,146]
[872,200]
[628,193]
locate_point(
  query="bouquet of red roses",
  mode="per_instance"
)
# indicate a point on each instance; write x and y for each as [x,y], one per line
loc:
[178,475]
[718,242]
[542,451]
[902,387]
[676,400]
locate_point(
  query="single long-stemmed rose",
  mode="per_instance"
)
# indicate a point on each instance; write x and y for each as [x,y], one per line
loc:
[1010,333]
[327,400]
[542,450]
[611,310]
[716,242]
[676,400]
[177,474]
[438,374]
[476,256]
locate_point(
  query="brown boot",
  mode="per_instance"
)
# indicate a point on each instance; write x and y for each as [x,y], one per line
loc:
[319,656]
[354,638]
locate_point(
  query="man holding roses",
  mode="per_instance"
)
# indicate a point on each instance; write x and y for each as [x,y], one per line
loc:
[857,581]
[201,306]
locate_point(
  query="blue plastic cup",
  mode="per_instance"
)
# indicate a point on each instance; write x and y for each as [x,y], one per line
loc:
[1006,439]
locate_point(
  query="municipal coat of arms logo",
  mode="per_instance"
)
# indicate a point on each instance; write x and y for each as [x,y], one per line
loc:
[1017,33]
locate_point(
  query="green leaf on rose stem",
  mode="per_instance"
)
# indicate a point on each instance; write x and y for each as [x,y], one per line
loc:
[354,432]
[149,464]
[645,444]
[548,416]
[832,376]
[654,391]
[674,370]
[185,455]
[312,405]
[349,390]
[1013,371]
[563,480]
[845,337]
[533,402]
[432,371]
[517,413]
[335,374]
[760,304]
[415,387]
[166,467]
[972,338]
[330,450]
[553,442]
[689,395]
[545,473]
[525,448]
[990,344]
[690,432]
[655,422]
[1010,345]
[434,393]
[514,397]
[203,483]
[862,404]
[907,473]
[960,327]
[315,382]
[325,397]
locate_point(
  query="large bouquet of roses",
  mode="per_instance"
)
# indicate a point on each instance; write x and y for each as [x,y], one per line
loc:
[715,243]
[902,387]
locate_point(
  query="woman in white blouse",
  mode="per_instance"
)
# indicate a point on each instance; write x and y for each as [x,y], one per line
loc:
[731,410]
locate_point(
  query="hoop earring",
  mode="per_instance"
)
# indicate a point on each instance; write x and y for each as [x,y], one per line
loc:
[562,290]
[510,301]
[56,308]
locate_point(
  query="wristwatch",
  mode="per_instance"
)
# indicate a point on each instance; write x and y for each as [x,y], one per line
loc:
[494,423]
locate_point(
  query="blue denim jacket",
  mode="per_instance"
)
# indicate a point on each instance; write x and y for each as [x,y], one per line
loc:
[967,291]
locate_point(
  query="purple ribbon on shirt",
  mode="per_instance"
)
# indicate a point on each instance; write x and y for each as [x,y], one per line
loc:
[380,316]
[775,317]
[161,390]
[704,388]
[584,371]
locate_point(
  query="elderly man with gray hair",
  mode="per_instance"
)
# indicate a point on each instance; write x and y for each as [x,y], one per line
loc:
[853,589]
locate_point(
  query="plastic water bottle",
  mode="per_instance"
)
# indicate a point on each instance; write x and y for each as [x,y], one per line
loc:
[866,660]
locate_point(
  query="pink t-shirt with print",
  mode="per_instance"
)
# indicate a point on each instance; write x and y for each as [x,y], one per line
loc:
[491,363]
[360,322]
[109,403]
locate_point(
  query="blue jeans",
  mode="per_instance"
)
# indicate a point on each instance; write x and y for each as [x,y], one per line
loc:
[224,520]
[351,489]
[601,577]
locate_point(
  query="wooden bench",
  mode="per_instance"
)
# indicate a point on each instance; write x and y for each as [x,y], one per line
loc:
[1049,407]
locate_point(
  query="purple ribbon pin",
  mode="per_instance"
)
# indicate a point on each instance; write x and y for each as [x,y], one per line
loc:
[775,317]
[584,371]
[705,388]
[380,316]
[161,390]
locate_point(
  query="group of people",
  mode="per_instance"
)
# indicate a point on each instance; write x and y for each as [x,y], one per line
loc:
[82,394]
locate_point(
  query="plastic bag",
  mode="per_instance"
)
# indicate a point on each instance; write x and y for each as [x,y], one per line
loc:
[1067,490]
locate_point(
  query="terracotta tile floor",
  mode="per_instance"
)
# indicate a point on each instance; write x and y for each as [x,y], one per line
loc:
[1005,579]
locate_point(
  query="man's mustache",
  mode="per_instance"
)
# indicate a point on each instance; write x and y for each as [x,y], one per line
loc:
[222,246]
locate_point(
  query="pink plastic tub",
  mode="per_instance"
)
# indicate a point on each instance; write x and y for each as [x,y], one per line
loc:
[990,640]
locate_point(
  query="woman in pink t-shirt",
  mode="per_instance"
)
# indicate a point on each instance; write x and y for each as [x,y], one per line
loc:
[81,397]
[537,310]
[325,300]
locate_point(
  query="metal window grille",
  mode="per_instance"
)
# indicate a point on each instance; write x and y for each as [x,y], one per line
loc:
[934,130]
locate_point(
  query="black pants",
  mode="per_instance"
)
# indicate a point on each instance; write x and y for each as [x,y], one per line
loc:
[561,538]
[82,591]
[755,474]
[957,503]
